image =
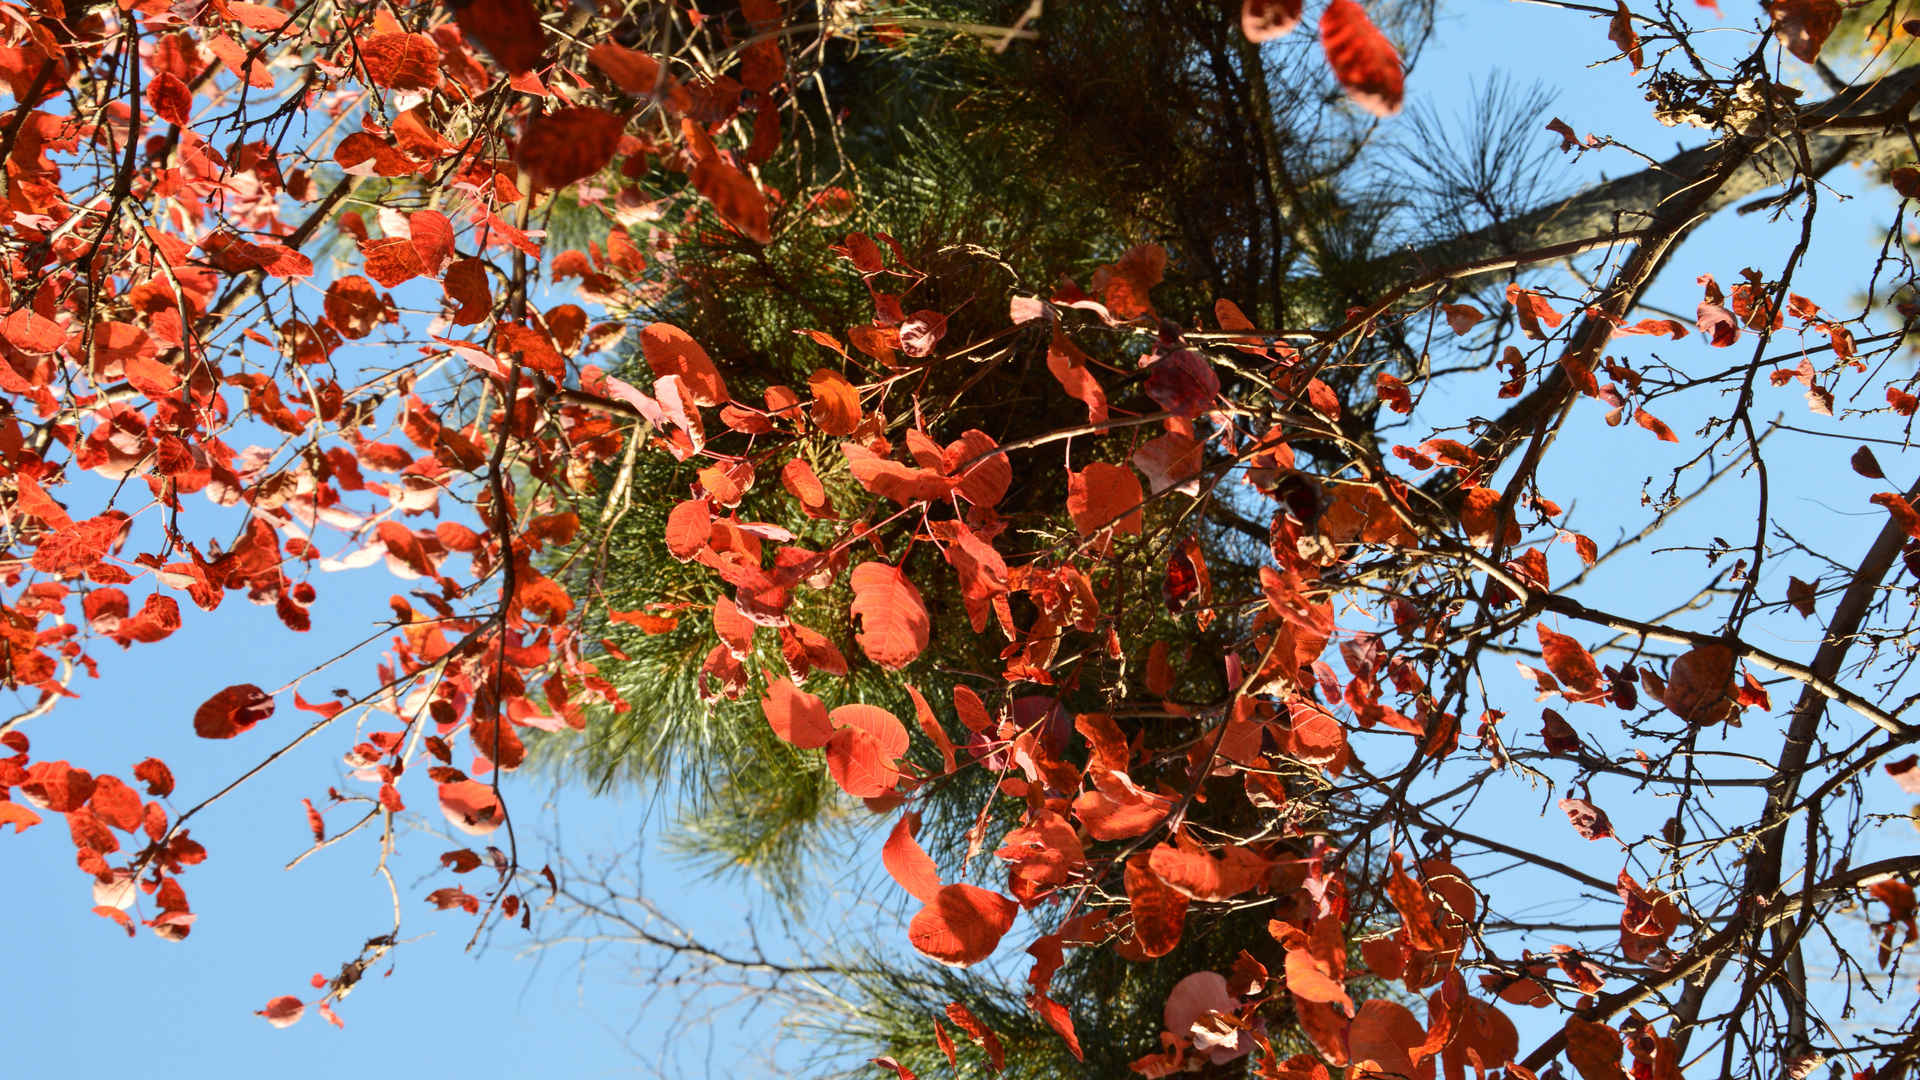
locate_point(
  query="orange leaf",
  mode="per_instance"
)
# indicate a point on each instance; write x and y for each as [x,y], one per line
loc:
[1700,687]
[1362,58]
[1620,32]
[1159,913]
[962,924]
[889,734]
[1594,1049]
[857,763]
[977,1031]
[931,725]
[908,862]
[735,198]
[18,816]
[836,404]
[1569,661]
[1654,424]
[1901,511]
[672,351]
[1069,366]
[1101,495]
[796,716]
[689,526]
[1385,1032]
[471,806]
[1308,978]
[894,627]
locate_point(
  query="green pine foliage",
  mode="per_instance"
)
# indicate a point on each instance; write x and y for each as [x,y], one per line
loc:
[994,173]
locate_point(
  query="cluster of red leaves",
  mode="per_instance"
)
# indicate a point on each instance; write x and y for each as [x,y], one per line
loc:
[105,343]
[97,808]
[105,358]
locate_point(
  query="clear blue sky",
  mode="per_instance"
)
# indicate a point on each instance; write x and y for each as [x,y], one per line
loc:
[186,1009]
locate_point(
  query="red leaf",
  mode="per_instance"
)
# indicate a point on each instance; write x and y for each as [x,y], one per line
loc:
[1101,495]
[30,332]
[981,1035]
[471,806]
[894,627]
[1718,324]
[1362,58]
[1900,510]
[315,823]
[354,308]
[945,1042]
[1803,27]
[888,732]
[283,1011]
[903,484]
[1620,32]
[804,484]
[1069,366]
[1060,1020]
[1588,820]
[796,716]
[672,351]
[232,711]
[18,816]
[1569,661]
[508,29]
[1800,594]
[1867,465]
[561,148]
[930,725]
[1182,382]
[1159,913]
[465,284]
[401,61]
[75,549]
[1393,393]
[921,332]
[170,99]
[1700,686]
[1385,1032]
[1198,875]
[962,924]
[859,765]
[1594,1049]
[115,803]
[737,200]
[1264,20]
[908,862]
[1903,772]
[159,778]
[689,527]
[639,74]
[1309,979]
[1654,424]
[836,404]
[1532,310]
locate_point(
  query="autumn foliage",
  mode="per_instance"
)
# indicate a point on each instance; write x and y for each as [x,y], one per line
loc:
[214,213]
